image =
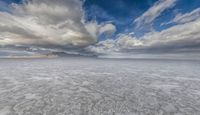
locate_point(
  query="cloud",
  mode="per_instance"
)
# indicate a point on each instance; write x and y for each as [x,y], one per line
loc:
[181,38]
[105,47]
[110,46]
[153,12]
[187,17]
[45,23]
[96,29]
[50,23]
[107,28]
[59,26]
[127,41]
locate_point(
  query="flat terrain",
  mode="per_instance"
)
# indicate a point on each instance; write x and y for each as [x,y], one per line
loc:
[83,86]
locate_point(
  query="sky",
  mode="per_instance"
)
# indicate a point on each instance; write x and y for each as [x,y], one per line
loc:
[103,28]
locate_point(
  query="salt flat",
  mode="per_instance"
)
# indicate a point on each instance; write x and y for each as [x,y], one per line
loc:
[86,86]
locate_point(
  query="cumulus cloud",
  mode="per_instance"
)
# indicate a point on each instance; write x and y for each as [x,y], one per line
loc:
[45,22]
[153,12]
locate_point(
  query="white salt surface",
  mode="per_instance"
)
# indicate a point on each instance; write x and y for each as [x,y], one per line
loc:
[83,86]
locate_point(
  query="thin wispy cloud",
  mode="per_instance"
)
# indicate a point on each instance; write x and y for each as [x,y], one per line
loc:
[187,17]
[153,12]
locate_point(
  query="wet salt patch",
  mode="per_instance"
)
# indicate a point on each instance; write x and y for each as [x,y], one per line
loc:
[5,111]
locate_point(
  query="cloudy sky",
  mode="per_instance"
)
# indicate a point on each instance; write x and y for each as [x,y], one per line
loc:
[105,28]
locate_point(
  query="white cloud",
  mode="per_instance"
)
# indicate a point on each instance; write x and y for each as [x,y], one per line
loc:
[107,28]
[183,37]
[49,24]
[187,17]
[96,29]
[92,28]
[110,46]
[127,41]
[45,22]
[61,23]
[103,47]
[153,12]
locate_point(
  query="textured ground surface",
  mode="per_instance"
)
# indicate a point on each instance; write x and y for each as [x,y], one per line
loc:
[99,87]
